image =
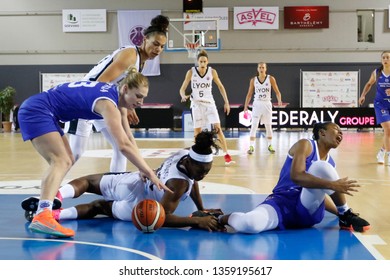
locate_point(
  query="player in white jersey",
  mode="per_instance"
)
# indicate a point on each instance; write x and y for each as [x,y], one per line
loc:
[122,191]
[203,108]
[112,69]
[261,86]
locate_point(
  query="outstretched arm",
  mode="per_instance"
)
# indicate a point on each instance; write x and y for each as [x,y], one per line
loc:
[112,118]
[367,88]
[170,201]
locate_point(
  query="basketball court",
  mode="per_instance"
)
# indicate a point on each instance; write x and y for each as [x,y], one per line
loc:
[238,187]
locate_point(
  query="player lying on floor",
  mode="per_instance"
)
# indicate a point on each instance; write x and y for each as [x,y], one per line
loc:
[298,199]
[122,191]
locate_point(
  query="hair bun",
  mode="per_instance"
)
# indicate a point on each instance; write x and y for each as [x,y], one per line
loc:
[161,22]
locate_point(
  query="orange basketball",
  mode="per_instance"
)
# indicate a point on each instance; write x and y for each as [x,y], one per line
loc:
[148,215]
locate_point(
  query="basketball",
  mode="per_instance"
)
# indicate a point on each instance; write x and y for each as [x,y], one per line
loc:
[148,215]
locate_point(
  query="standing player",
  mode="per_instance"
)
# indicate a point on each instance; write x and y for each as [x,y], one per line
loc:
[112,69]
[298,199]
[122,191]
[40,114]
[380,76]
[261,86]
[203,108]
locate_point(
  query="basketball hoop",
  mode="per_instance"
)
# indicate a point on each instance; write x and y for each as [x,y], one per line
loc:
[192,49]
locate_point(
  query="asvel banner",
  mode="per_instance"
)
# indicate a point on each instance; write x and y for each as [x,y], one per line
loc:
[306,17]
[256,17]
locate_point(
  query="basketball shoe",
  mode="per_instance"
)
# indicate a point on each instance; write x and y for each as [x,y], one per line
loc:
[30,205]
[228,160]
[251,150]
[271,149]
[352,221]
[44,222]
[381,156]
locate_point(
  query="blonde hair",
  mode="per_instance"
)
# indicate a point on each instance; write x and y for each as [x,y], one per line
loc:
[134,79]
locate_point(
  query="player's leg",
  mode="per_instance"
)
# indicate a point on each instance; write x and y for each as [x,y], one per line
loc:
[264,217]
[118,160]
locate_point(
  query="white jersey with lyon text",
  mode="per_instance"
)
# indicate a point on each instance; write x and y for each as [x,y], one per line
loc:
[102,65]
[262,89]
[201,86]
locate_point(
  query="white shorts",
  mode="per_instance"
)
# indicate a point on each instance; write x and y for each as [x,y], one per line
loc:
[125,190]
[204,114]
[79,127]
[99,125]
[262,111]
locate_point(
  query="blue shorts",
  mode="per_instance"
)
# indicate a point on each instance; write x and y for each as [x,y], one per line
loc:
[382,111]
[36,122]
[291,212]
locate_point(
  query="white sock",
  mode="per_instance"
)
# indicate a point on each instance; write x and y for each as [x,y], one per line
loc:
[69,214]
[43,204]
[67,191]
[342,209]
[252,143]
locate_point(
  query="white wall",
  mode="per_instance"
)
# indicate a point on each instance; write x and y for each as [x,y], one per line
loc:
[31,33]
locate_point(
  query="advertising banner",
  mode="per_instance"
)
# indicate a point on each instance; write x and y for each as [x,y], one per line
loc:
[306,17]
[256,17]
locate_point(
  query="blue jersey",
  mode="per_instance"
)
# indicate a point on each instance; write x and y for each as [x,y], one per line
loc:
[382,84]
[285,182]
[285,197]
[40,113]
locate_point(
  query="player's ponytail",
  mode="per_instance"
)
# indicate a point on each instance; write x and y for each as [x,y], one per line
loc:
[205,141]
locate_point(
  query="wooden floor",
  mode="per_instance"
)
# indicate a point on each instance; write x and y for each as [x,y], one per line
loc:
[256,173]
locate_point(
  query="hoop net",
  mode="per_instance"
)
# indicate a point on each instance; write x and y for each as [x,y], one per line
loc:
[192,49]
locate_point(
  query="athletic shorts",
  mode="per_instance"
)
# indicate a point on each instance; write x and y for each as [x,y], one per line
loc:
[204,114]
[291,213]
[79,127]
[263,111]
[382,111]
[125,190]
[35,122]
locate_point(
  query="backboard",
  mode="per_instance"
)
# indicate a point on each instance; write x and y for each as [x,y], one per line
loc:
[186,31]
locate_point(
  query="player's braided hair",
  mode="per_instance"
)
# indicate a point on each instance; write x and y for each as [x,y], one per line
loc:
[159,24]
[317,127]
[205,141]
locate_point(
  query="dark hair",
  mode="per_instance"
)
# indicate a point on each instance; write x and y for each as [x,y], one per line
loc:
[159,24]
[205,141]
[317,127]
[379,70]
[202,53]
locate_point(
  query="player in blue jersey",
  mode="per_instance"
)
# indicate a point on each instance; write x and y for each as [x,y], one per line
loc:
[112,69]
[381,77]
[298,199]
[39,116]
[122,191]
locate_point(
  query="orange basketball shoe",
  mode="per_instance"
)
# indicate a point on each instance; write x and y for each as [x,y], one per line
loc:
[44,222]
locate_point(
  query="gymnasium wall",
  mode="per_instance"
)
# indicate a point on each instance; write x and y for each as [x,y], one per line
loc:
[32,41]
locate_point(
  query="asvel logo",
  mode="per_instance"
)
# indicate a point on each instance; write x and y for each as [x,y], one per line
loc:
[255,16]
